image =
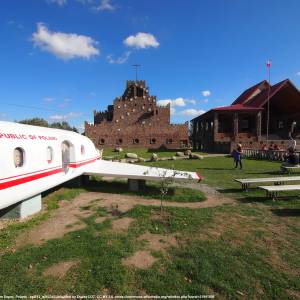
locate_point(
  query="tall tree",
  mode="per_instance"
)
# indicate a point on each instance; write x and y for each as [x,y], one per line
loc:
[35,122]
[63,125]
[42,122]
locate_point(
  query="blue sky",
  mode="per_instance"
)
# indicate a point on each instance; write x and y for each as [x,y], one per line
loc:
[69,57]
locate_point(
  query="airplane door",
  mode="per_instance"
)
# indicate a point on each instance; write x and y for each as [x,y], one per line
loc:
[65,152]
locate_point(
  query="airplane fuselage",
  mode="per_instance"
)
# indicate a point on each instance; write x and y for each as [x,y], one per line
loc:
[35,159]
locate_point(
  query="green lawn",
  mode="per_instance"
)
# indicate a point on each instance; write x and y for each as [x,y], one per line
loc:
[220,173]
[144,153]
[246,250]
[152,190]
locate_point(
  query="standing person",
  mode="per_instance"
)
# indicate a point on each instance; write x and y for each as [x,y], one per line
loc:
[237,156]
[292,144]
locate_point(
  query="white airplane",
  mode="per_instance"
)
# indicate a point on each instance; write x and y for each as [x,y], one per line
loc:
[34,159]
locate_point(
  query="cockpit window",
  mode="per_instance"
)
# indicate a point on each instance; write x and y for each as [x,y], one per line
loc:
[19,157]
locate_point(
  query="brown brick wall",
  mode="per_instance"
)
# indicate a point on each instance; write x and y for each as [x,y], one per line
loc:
[135,120]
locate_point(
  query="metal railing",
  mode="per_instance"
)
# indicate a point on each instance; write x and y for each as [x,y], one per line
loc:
[265,154]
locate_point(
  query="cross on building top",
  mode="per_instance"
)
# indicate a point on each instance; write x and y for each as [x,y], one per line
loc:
[136,71]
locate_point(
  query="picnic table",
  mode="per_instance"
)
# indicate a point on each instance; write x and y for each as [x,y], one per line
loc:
[276,180]
[272,191]
[290,168]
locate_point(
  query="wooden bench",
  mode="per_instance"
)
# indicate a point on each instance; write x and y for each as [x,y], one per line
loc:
[290,169]
[276,180]
[272,191]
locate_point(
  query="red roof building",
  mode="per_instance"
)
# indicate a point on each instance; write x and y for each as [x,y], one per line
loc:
[245,120]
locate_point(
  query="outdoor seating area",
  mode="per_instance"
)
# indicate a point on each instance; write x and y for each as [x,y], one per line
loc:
[290,169]
[272,190]
[276,180]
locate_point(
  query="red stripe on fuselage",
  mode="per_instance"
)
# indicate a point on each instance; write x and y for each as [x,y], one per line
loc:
[28,173]
[19,181]
[79,164]
[22,180]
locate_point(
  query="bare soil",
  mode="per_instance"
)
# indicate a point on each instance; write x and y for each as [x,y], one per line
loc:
[69,216]
[141,260]
[99,220]
[60,269]
[157,241]
[121,224]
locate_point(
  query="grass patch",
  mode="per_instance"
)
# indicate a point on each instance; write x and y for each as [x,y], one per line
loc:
[144,153]
[51,200]
[244,250]
[202,267]
[152,191]
[169,221]
[219,172]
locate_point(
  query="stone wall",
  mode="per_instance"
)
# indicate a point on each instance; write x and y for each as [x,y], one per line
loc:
[135,120]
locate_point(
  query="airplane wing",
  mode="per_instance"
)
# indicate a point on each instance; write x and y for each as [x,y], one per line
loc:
[132,171]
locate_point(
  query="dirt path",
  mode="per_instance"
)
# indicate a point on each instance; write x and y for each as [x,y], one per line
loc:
[68,217]
[126,202]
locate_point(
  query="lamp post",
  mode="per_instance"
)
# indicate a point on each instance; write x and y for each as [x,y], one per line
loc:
[269,62]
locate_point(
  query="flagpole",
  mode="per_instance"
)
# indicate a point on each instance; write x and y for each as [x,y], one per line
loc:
[268,103]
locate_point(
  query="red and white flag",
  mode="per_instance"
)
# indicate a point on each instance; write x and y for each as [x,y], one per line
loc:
[269,62]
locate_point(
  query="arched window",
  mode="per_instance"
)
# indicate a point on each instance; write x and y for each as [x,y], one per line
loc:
[19,157]
[153,141]
[136,141]
[82,149]
[169,141]
[102,141]
[49,155]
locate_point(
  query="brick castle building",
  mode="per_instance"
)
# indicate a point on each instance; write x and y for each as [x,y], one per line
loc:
[246,119]
[136,121]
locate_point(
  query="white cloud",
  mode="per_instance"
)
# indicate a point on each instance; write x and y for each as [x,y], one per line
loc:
[176,102]
[141,41]
[173,111]
[68,116]
[80,128]
[105,5]
[49,99]
[191,112]
[205,100]
[65,102]
[298,73]
[63,45]
[192,101]
[120,60]
[15,24]
[86,1]
[59,2]
[172,102]
[205,93]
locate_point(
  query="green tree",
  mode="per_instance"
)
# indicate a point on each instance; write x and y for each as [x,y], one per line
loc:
[63,125]
[42,122]
[166,179]
[35,122]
